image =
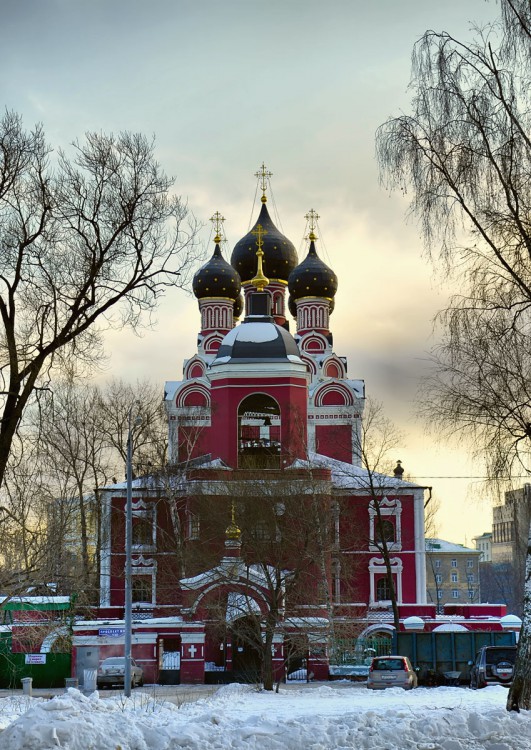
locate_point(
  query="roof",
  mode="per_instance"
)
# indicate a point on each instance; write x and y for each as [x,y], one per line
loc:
[347,475]
[441,545]
[259,339]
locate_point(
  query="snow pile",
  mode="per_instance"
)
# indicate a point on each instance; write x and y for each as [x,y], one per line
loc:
[313,718]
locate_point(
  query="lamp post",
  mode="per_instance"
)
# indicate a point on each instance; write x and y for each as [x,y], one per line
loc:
[128,561]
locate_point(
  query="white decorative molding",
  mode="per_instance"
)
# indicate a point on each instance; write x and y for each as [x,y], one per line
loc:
[389,508]
[377,567]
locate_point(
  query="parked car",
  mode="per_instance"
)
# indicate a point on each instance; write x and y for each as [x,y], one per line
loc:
[391,671]
[112,672]
[494,665]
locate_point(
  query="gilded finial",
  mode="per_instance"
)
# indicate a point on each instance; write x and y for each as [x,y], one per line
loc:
[233,531]
[263,175]
[217,220]
[311,217]
[260,281]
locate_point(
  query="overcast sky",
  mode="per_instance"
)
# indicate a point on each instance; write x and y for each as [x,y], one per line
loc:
[301,85]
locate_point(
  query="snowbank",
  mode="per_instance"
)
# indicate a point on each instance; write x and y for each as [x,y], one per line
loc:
[313,718]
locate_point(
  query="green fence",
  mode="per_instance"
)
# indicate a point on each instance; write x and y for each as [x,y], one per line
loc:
[13,668]
[358,651]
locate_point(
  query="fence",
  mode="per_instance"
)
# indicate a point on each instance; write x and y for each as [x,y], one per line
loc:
[52,673]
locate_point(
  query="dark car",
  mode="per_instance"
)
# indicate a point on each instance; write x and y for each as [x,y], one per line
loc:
[494,665]
[391,671]
[112,672]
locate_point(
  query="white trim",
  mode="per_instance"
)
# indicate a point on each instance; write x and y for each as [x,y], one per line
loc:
[391,507]
[377,567]
[105,552]
[420,547]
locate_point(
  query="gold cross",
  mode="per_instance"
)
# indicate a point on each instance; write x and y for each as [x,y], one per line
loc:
[263,175]
[259,233]
[217,220]
[260,281]
[311,217]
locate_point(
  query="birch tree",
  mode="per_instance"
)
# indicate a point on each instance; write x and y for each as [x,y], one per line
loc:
[463,155]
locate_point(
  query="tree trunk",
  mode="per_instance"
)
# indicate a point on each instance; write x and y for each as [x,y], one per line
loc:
[520,691]
[267,663]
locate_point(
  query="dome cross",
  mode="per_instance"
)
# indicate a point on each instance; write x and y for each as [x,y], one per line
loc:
[217,220]
[311,217]
[263,175]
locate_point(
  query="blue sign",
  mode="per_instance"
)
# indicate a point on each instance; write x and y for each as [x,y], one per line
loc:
[113,632]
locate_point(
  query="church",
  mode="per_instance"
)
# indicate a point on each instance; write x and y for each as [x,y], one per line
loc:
[267,538]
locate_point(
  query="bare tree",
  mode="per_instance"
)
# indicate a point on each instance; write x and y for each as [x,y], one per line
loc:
[465,155]
[87,244]
[76,458]
[116,402]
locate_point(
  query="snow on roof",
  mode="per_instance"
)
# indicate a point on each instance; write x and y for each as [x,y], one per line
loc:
[170,389]
[347,475]
[441,545]
[33,600]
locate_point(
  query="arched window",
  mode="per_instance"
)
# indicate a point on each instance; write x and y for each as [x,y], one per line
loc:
[259,432]
[385,531]
[383,590]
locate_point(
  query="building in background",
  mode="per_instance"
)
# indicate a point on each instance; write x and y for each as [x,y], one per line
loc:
[452,573]
[483,544]
[502,577]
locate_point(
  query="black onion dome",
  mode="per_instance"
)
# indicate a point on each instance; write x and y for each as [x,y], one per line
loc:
[262,341]
[292,307]
[238,306]
[280,256]
[217,278]
[312,278]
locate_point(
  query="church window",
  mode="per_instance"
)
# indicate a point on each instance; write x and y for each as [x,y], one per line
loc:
[141,589]
[385,531]
[261,532]
[142,530]
[383,590]
[194,526]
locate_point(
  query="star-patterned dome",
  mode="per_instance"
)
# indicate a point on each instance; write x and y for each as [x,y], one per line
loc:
[280,256]
[312,278]
[217,278]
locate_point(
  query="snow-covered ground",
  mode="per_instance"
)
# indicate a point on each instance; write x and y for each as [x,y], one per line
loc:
[237,716]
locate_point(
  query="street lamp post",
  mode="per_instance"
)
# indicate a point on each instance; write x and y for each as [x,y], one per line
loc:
[128,562]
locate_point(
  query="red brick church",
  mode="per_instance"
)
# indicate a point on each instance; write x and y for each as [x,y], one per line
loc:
[266,517]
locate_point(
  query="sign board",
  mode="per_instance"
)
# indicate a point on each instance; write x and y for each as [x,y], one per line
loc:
[113,632]
[35,659]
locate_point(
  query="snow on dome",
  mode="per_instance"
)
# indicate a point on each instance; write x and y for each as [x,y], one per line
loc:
[450,627]
[256,333]
[258,341]
[414,623]
[511,622]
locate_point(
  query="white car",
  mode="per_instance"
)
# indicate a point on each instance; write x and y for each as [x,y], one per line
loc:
[112,672]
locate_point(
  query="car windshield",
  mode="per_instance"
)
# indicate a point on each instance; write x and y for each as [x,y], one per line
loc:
[388,664]
[114,660]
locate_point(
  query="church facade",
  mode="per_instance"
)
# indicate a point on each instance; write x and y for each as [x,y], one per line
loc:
[267,524]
